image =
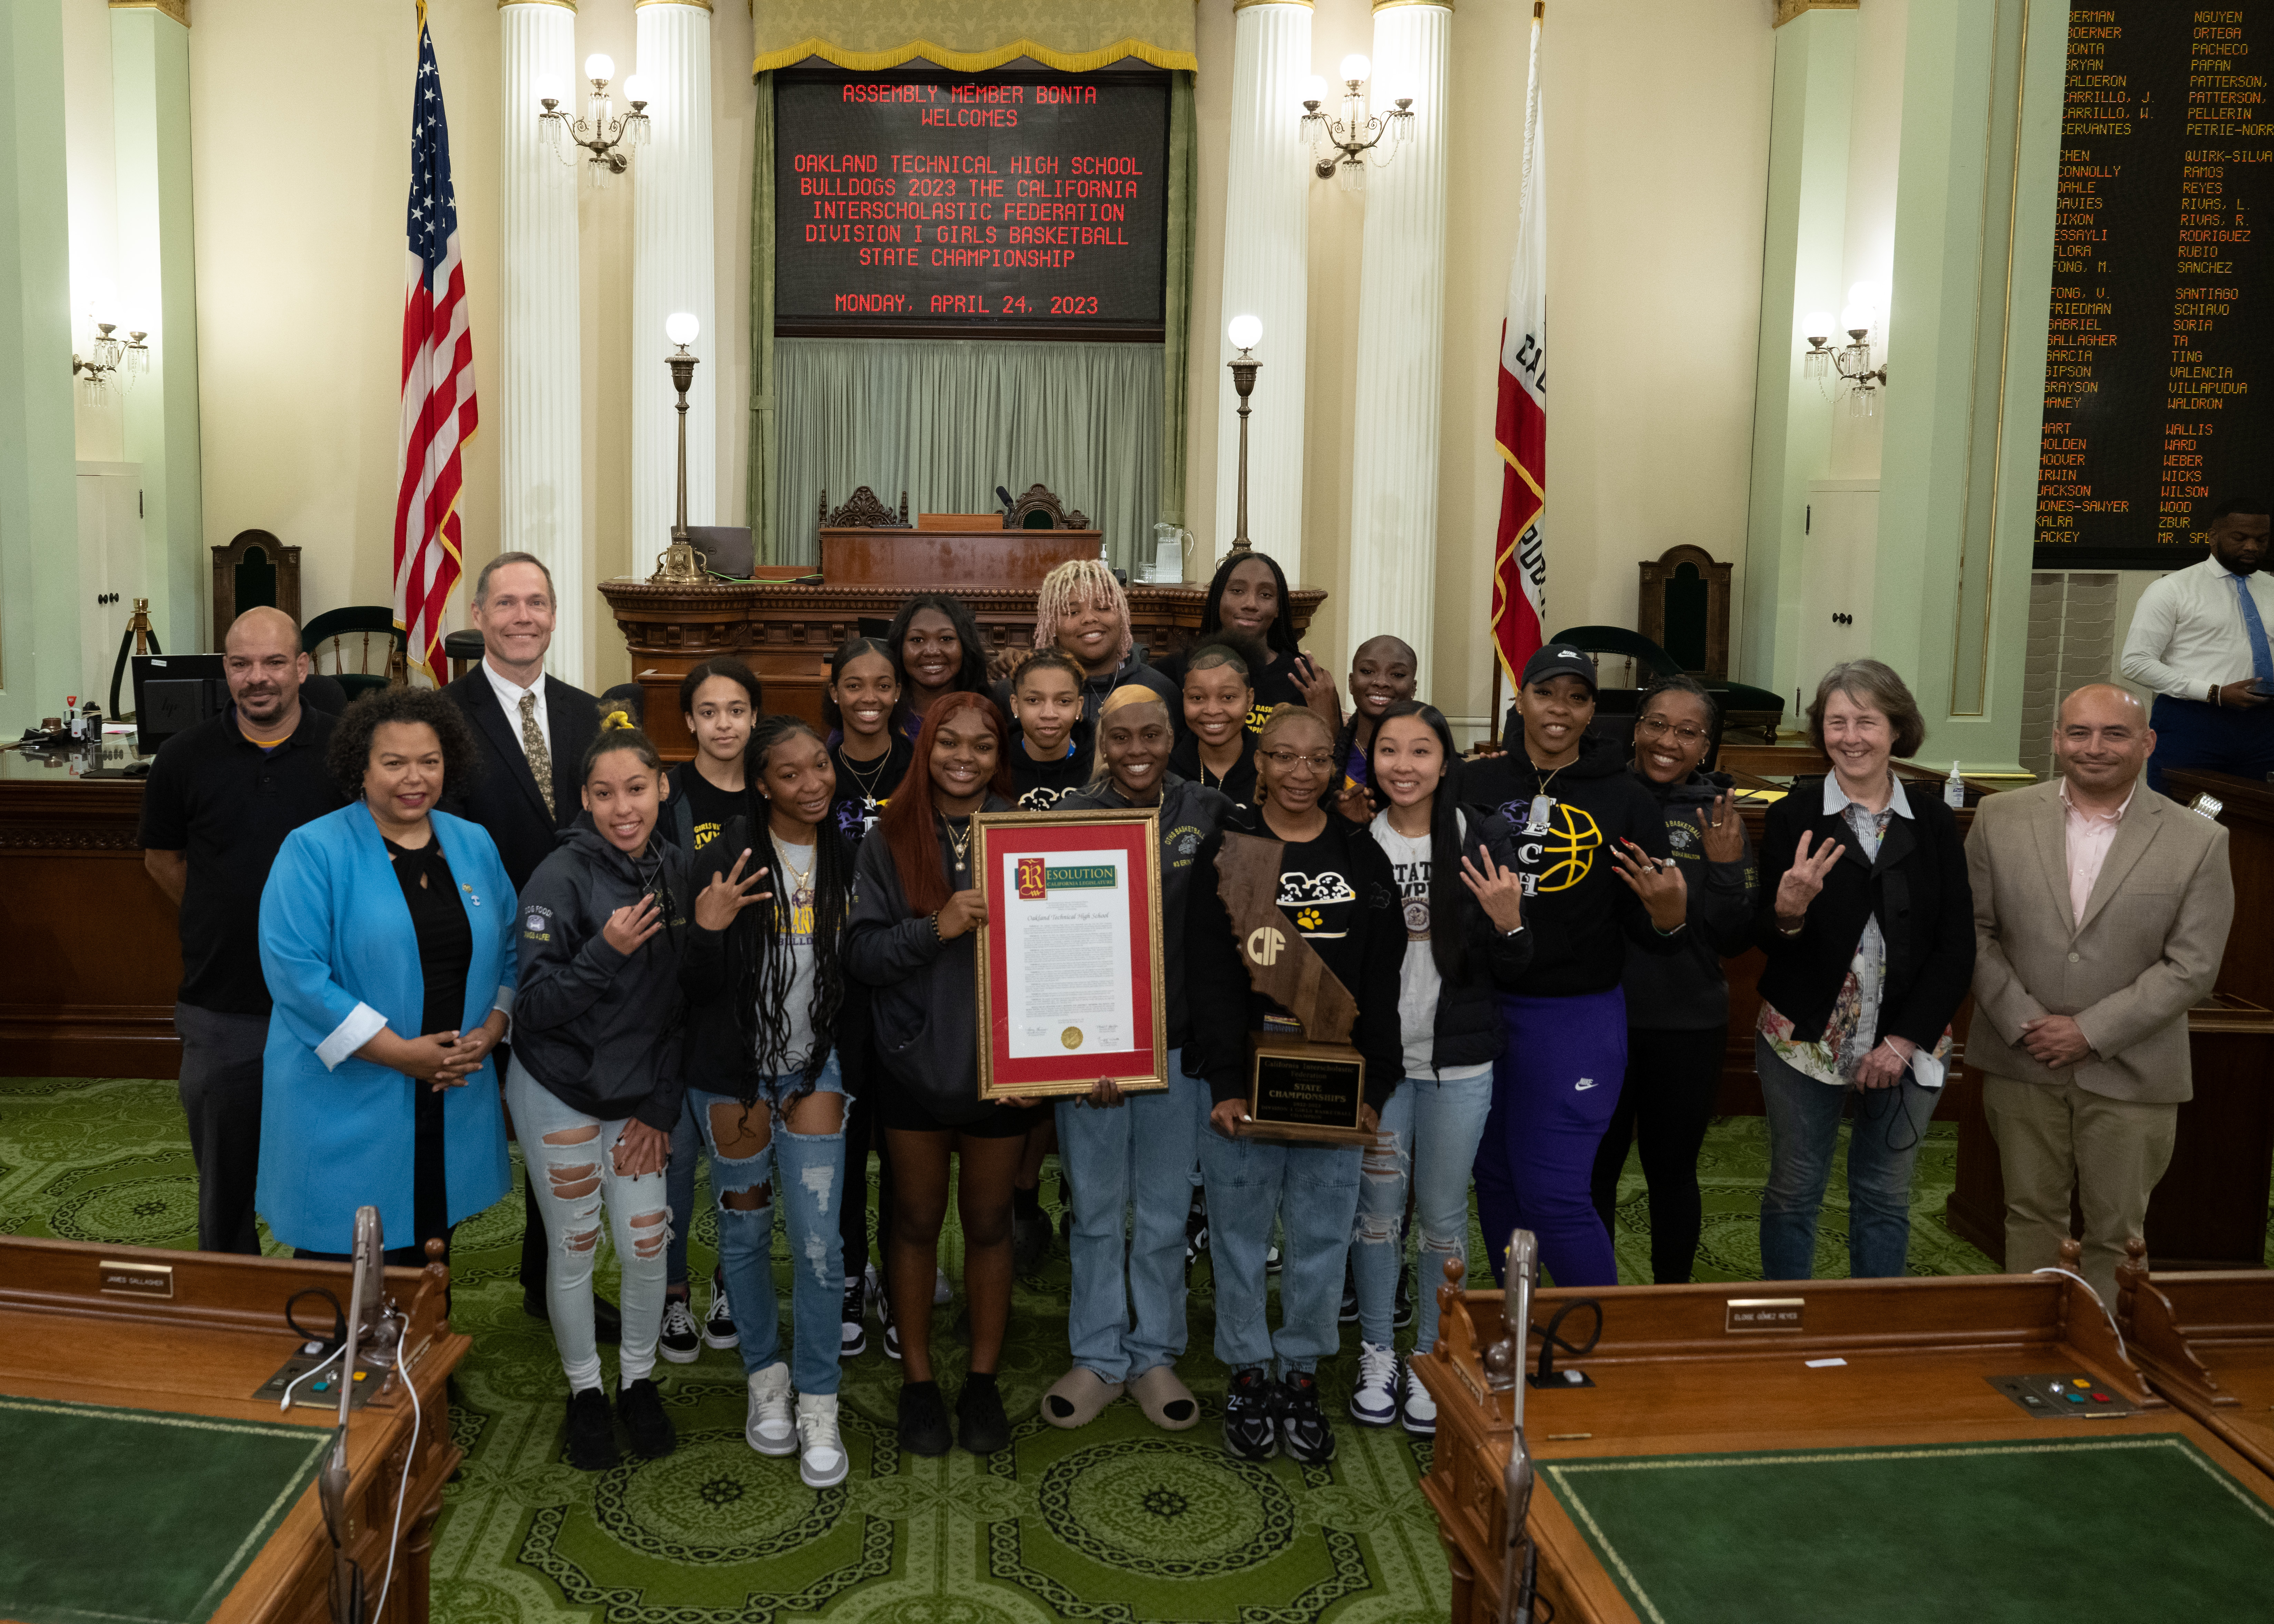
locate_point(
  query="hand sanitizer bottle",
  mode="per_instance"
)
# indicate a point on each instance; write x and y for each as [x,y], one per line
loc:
[1954,789]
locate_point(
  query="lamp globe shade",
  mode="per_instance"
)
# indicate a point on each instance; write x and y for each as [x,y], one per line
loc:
[1246,332]
[598,66]
[635,87]
[1356,67]
[1818,326]
[681,329]
[550,89]
[1315,88]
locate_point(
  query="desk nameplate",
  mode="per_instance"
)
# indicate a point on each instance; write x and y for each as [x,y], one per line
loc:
[117,1279]
[1744,1315]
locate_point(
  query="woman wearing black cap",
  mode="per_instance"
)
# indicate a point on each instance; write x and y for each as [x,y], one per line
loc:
[1579,820]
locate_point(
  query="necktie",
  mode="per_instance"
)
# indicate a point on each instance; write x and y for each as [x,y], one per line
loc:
[2261,659]
[541,753]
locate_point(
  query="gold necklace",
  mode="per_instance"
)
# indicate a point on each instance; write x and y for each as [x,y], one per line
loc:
[801,894]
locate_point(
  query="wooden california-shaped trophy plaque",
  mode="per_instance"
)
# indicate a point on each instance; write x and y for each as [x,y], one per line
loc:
[1311,1088]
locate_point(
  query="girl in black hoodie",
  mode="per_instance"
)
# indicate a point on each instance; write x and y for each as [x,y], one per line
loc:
[913,938]
[1598,873]
[595,1084]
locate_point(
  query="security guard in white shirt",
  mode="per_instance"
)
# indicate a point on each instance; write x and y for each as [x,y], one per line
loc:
[2199,639]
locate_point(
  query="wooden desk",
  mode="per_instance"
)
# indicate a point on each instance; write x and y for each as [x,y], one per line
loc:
[948,557]
[203,1352]
[2206,1342]
[2247,970]
[95,951]
[786,632]
[1671,1379]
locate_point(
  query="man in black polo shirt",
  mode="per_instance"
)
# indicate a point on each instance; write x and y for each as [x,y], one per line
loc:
[220,798]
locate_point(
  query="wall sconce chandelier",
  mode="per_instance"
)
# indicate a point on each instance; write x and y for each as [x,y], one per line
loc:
[606,136]
[1344,146]
[1851,362]
[108,359]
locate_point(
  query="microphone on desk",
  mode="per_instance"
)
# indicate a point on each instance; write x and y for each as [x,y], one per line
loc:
[364,1286]
[1003,497]
[1520,1559]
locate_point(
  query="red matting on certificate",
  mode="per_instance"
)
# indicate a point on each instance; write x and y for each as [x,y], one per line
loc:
[1069,982]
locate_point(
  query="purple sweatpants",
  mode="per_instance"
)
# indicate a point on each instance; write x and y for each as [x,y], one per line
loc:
[1554,1087]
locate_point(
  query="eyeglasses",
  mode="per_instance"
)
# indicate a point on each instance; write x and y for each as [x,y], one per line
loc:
[1651,727]
[1287,760]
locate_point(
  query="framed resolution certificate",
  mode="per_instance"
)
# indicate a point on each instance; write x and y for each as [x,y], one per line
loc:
[1070,987]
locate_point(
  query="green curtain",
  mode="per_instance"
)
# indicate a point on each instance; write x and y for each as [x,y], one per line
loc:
[949,420]
[970,36]
[759,503]
[1176,350]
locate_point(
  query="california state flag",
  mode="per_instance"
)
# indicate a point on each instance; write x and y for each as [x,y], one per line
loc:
[1520,425]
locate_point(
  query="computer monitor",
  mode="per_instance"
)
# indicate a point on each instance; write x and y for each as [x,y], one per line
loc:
[173,692]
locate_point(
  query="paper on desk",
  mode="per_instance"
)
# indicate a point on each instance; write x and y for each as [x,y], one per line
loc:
[1823,1363]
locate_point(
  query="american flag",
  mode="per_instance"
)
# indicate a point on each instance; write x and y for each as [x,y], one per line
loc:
[438,410]
[1519,549]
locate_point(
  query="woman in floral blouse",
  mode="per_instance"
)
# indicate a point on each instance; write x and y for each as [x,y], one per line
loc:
[1870,938]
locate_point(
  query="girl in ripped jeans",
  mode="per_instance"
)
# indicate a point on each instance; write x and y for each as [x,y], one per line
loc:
[595,1082]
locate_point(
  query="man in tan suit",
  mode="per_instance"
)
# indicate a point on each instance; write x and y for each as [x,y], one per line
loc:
[2100,912]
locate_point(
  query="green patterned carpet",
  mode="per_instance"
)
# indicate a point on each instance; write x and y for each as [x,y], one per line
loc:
[1118,1522]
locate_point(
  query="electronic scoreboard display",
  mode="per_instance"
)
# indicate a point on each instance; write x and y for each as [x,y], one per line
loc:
[921,203]
[2157,382]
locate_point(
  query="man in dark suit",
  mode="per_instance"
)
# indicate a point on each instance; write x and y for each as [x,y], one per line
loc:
[533,731]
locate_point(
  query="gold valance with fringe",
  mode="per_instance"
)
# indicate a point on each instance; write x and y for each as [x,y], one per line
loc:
[971,36]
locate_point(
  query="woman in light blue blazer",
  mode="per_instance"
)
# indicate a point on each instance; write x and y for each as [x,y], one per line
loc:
[386,937]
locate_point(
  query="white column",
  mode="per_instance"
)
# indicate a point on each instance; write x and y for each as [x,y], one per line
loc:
[1401,307]
[1266,242]
[673,269]
[540,407]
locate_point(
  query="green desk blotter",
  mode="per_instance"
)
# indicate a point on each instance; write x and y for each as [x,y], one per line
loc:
[132,1516]
[2141,1528]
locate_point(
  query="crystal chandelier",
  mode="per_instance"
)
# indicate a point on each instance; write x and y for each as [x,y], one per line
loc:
[108,359]
[607,137]
[1344,146]
[1851,362]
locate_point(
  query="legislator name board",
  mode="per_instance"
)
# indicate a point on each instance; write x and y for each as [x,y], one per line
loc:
[2156,364]
[1000,205]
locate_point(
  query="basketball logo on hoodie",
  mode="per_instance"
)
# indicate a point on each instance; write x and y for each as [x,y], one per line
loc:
[1562,857]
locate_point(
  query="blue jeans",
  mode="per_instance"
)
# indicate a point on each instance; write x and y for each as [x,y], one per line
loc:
[1434,1127]
[1136,1159]
[1804,1118]
[1314,1190]
[573,1178]
[807,1172]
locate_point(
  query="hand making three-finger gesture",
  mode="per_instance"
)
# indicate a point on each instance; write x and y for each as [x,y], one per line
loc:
[1801,883]
[716,903]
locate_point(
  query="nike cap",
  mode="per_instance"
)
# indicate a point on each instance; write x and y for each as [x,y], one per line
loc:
[1557,659]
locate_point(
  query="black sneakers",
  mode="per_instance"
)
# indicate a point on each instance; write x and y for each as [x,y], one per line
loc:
[1302,1423]
[592,1431]
[1402,1315]
[923,1419]
[680,1340]
[1350,1292]
[645,1423]
[981,1425]
[852,1320]
[1251,1407]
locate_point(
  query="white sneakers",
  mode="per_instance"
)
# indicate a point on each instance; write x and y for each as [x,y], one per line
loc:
[1419,1411]
[1373,1401]
[812,1436]
[769,1428]
[822,1461]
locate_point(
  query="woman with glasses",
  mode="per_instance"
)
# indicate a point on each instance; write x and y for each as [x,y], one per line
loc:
[1598,878]
[1337,890]
[1678,1007]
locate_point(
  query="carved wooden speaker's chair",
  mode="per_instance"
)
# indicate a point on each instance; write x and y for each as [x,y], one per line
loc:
[863,511]
[1040,509]
[1684,608]
[254,571]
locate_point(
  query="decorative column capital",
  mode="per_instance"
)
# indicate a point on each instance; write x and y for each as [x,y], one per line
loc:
[1241,5]
[1385,5]
[565,5]
[639,4]
[178,10]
